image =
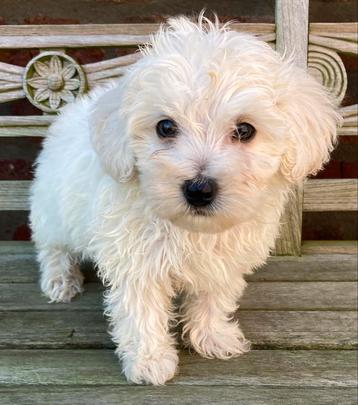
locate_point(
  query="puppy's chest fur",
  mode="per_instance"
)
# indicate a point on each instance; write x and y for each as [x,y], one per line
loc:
[195,260]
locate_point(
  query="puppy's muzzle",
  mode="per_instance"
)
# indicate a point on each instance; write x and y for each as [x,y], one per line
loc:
[200,192]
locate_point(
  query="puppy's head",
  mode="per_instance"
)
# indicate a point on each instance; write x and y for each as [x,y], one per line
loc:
[209,122]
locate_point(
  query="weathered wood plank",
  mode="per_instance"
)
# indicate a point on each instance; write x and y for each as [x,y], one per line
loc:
[18,264]
[331,195]
[29,120]
[55,329]
[266,329]
[275,295]
[300,329]
[319,195]
[28,297]
[111,29]
[289,241]
[23,268]
[14,195]
[334,28]
[292,39]
[69,36]
[23,132]
[350,120]
[339,45]
[257,368]
[16,248]
[330,247]
[326,267]
[300,296]
[129,395]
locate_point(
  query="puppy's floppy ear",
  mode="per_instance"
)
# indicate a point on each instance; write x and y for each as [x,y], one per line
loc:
[110,137]
[311,117]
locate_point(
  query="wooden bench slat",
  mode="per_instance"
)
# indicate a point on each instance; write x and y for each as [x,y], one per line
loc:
[14,195]
[115,29]
[69,36]
[256,368]
[128,395]
[274,295]
[23,268]
[18,264]
[319,195]
[330,195]
[330,247]
[266,329]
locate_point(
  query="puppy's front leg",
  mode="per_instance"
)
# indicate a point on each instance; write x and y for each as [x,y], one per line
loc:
[208,326]
[139,309]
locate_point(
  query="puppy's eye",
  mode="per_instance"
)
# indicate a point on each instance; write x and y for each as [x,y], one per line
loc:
[167,129]
[244,132]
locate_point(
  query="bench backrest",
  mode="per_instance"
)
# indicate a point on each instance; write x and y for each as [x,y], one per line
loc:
[316,45]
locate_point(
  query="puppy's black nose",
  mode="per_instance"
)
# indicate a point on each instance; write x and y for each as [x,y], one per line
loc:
[200,192]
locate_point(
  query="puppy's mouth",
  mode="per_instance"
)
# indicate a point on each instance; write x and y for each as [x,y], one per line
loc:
[201,212]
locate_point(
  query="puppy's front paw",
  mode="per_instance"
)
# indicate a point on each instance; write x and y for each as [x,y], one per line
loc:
[153,369]
[62,288]
[222,341]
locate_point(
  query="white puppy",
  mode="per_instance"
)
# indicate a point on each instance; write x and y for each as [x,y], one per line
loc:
[174,179]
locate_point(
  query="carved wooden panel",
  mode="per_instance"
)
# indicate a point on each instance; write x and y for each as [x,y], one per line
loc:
[326,43]
[55,89]
[52,79]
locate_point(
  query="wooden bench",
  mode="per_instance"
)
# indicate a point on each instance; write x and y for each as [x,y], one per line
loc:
[299,311]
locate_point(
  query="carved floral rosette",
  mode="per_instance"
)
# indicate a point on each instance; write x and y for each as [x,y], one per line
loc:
[53,79]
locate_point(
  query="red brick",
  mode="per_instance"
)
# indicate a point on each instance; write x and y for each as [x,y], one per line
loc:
[18,169]
[331,171]
[349,139]
[88,55]
[22,232]
[17,57]
[350,170]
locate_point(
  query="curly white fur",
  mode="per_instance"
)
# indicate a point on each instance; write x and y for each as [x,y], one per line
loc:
[108,188]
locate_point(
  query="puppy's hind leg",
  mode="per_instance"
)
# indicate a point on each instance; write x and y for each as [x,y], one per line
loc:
[61,278]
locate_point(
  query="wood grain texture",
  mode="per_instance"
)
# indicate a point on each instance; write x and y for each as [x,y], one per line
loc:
[18,265]
[28,120]
[349,247]
[14,195]
[23,131]
[319,195]
[313,267]
[343,29]
[259,295]
[292,39]
[274,295]
[266,329]
[350,120]
[70,36]
[224,395]
[108,29]
[336,44]
[83,367]
[331,195]
[289,241]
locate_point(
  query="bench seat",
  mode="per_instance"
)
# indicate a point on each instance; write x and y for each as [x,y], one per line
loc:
[299,313]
